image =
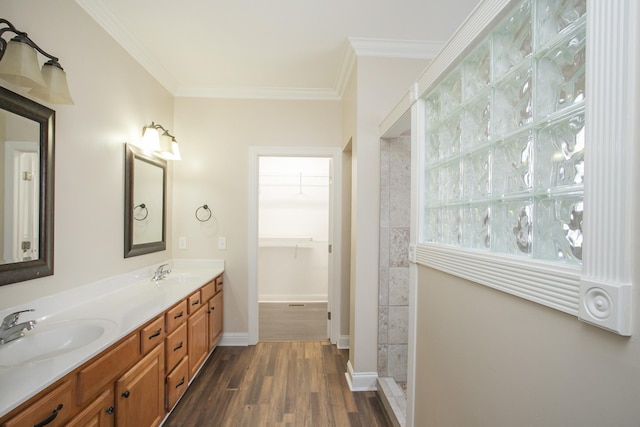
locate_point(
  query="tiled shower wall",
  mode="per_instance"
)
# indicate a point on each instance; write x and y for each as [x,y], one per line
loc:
[393,303]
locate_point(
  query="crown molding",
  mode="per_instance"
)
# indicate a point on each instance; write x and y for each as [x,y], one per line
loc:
[111,24]
[353,48]
[283,93]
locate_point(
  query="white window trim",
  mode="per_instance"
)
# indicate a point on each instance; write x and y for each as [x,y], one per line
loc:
[598,292]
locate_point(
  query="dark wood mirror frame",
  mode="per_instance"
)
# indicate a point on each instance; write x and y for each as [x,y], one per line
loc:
[130,248]
[45,117]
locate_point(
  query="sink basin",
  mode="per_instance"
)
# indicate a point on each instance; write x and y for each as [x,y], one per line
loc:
[47,341]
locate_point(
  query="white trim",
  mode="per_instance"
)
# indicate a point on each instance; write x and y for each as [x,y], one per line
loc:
[360,381]
[343,342]
[281,93]
[347,64]
[611,113]
[385,48]
[252,230]
[231,339]
[293,298]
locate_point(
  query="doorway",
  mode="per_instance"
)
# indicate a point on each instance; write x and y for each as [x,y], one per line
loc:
[293,241]
[284,240]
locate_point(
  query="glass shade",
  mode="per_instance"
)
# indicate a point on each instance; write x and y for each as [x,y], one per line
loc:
[56,90]
[169,147]
[20,66]
[150,139]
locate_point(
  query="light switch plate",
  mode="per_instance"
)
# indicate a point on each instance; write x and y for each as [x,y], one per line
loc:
[222,243]
[182,243]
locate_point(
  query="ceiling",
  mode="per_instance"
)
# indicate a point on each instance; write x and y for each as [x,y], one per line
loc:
[272,49]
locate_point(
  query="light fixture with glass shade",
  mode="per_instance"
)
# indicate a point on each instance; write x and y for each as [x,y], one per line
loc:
[19,65]
[158,140]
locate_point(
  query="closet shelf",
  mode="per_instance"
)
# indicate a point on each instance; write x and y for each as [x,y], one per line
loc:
[289,242]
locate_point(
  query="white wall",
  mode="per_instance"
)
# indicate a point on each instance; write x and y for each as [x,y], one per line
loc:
[114,97]
[379,83]
[215,136]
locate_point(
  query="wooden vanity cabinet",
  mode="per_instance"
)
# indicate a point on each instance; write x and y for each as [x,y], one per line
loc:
[140,392]
[137,380]
[100,413]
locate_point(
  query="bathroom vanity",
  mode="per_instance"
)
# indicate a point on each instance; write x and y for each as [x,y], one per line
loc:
[135,346]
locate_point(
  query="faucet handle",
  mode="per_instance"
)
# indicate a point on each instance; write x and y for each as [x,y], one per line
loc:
[11,319]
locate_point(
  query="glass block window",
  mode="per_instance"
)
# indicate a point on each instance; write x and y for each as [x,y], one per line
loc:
[504,139]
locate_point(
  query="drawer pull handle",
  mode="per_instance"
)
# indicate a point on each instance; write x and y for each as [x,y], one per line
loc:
[180,383]
[196,302]
[110,410]
[52,417]
[158,332]
[179,346]
[126,394]
[177,316]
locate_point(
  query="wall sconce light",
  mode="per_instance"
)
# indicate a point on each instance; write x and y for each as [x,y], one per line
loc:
[158,140]
[19,65]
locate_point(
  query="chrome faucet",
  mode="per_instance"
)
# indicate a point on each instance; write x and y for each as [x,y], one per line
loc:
[12,330]
[160,273]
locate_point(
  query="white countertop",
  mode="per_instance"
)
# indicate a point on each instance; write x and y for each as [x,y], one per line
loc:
[120,304]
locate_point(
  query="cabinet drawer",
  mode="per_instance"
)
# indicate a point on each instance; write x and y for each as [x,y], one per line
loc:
[194,301]
[152,335]
[55,407]
[176,316]
[177,382]
[208,291]
[219,283]
[175,347]
[95,376]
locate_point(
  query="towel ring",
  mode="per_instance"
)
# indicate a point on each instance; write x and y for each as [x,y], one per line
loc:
[142,206]
[200,217]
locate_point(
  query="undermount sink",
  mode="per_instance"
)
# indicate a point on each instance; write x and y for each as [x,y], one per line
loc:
[47,341]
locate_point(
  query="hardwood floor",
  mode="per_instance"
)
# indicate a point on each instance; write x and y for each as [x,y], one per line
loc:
[277,384]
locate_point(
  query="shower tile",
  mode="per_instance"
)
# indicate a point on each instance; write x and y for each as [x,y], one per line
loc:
[385,169]
[399,286]
[383,324]
[385,247]
[383,288]
[385,206]
[399,247]
[382,360]
[397,362]
[398,325]
[399,214]
[399,169]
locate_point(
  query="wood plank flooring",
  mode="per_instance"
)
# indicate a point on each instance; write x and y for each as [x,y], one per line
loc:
[293,321]
[291,384]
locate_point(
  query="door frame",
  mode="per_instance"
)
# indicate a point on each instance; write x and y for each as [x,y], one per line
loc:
[335,233]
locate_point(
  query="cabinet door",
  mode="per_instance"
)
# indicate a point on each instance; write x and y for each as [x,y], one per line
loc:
[215,320]
[100,413]
[197,339]
[140,392]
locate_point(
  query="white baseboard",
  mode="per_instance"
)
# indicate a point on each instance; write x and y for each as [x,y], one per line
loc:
[231,339]
[293,298]
[360,381]
[343,342]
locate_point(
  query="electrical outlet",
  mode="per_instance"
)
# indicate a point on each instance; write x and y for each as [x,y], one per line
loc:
[182,243]
[222,243]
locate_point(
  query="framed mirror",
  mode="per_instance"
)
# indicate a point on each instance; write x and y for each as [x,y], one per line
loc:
[27,132]
[145,188]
